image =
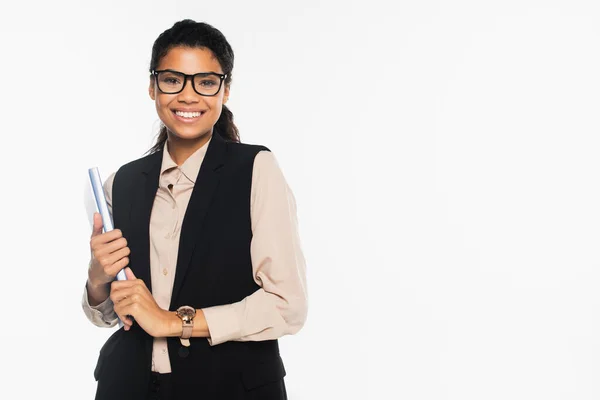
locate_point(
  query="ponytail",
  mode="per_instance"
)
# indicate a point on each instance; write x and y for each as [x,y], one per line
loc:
[225,126]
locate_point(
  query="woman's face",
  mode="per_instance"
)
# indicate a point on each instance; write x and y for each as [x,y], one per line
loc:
[189,61]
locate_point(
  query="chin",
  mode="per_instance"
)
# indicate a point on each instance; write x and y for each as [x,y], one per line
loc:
[188,134]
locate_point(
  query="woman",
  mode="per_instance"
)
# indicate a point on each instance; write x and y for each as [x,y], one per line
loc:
[206,230]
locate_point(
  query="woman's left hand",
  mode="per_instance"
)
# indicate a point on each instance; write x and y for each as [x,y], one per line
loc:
[132,297]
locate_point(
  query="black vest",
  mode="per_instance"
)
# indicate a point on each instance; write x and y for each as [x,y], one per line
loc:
[213,268]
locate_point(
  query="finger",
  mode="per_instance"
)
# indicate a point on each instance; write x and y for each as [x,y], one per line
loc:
[128,309]
[114,269]
[105,237]
[101,246]
[123,316]
[111,247]
[127,321]
[125,304]
[108,259]
[127,296]
[119,291]
[137,284]
[110,266]
[117,295]
[97,228]
[129,274]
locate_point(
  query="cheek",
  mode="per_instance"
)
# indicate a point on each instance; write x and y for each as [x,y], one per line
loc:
[216,104]
[162,104]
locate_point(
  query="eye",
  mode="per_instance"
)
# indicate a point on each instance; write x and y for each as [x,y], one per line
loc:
[208,83]
[170,80]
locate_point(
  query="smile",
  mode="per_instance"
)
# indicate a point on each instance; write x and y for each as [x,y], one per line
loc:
[188,116]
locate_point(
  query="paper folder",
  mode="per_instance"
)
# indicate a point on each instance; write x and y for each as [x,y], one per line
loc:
[102,206]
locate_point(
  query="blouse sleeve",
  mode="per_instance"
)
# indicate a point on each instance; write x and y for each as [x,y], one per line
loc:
[280,306]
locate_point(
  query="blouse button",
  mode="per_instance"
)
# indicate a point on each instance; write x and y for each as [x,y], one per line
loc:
[165,272]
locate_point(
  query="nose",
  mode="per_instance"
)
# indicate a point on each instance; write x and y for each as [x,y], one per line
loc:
[188,94]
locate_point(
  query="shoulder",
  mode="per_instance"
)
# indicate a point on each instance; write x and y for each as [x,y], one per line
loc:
[249,149]
[266,168]
[246,155]
[135,167]
[131,171]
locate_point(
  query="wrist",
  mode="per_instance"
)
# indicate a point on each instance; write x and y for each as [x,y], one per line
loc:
[172,324]
[93,281]
[96,285]
[96,293]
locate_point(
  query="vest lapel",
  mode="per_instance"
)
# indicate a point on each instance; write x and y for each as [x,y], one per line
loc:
[202,194]
[141,209]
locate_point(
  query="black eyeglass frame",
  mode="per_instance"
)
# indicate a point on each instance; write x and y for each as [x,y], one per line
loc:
[185,79]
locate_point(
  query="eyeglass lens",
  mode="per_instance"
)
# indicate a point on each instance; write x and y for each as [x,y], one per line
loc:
[172,82]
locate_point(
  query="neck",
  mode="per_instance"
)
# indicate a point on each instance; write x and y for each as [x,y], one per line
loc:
[181,149]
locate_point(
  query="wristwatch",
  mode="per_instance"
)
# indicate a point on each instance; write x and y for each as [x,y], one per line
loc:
[186,314]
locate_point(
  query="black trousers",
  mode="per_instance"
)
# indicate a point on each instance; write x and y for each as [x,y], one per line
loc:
[160,387]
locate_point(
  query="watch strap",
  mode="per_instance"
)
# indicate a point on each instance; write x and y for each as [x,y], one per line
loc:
[187,329]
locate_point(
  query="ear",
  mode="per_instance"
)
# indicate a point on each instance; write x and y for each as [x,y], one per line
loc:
[225,94]
[151,88]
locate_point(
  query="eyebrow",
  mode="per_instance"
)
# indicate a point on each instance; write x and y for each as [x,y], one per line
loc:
[179,72]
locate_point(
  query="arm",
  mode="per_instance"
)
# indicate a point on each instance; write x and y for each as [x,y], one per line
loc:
[276,309]
[279,307]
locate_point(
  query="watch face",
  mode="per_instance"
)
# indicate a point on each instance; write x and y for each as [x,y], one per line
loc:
[186,313]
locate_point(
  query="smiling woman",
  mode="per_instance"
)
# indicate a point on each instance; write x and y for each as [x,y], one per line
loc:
[186,87]
[206,229]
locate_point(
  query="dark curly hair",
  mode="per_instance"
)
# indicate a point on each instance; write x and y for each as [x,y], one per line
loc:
[190,33]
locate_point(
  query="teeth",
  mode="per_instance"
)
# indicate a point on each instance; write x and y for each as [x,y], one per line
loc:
[188,114]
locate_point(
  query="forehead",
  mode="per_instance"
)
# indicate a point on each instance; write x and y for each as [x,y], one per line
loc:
[190,60]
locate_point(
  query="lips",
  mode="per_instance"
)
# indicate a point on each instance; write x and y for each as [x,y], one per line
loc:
[188,116]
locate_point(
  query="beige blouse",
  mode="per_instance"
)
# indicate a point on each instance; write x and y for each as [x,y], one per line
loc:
[278,308]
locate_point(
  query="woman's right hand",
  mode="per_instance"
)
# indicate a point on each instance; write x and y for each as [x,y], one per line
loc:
[109,254]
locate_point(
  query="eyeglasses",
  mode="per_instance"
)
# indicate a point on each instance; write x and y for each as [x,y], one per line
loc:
[204,83]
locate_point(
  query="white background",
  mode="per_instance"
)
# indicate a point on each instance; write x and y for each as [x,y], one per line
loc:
[444,158]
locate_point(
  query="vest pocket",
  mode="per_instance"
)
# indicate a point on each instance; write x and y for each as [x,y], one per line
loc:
[262,373]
